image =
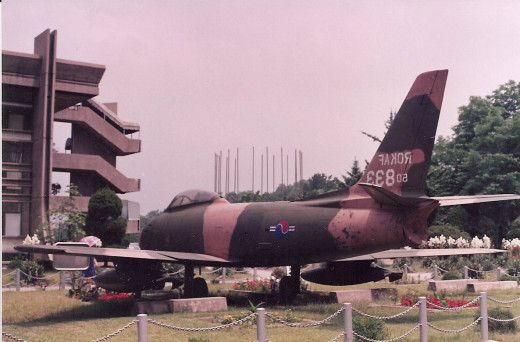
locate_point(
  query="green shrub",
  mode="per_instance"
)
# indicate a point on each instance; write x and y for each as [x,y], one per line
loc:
[16,262]
[507,277]
[451,275]
[502,314]
[369,328]
[30,271]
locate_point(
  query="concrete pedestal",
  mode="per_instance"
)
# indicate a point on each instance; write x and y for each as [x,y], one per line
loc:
[492,285]
[152,307]
[450,285]
[350,296]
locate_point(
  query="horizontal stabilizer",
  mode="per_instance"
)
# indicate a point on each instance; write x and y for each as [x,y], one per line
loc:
[411,253]
[455,200]
[385,196]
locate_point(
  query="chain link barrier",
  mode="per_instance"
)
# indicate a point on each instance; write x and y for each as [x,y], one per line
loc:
[490,271]
[455,331]
[386,317]
[117,332]
[219,327]
[327,319]
[392,340]
[504,301]
[296,325]
[504,320]
[12,337]
[38,278]
[514,276]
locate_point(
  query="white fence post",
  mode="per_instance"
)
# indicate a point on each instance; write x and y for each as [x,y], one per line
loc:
[142,328]
[260,325]
[484,333]
[498,274]
[435,272]
[423,321]
[405,272]
[223,275]
[465,272]
[347,322]
[62,280]
[17,280]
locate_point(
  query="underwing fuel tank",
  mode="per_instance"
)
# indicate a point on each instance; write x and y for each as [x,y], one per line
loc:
[349,273]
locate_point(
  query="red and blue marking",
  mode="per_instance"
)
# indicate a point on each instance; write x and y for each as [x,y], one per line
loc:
[282,229]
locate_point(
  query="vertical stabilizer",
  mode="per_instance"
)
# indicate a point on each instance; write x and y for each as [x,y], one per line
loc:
[403,158]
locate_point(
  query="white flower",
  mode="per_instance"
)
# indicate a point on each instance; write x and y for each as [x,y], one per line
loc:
[31,240]
[462,243]
[477,243]
[487,242]
[452,243]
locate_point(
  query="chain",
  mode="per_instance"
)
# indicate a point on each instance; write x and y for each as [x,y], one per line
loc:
[116,332]
[442,269]
[468,304]
[504,320]
[490,271]
[454,331]
[338,337]
[243,320]
[295,325]
[214,271]
[51,276]
[8,274]
[12,337]
[392,340]
[504,301]
[386,317]
[3,285]
[516,276]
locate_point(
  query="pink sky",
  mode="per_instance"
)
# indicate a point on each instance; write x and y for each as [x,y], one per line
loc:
[205,76]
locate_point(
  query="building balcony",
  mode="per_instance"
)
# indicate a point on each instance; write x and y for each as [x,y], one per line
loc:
[92,163]
[101,128]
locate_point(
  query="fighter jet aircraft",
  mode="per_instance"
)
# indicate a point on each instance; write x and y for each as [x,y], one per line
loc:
[347,230]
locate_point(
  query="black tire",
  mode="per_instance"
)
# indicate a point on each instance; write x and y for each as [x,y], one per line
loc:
[200,288]
[287,291]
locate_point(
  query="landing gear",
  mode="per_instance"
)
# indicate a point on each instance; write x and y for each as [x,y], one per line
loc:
[290,285]
[194,287]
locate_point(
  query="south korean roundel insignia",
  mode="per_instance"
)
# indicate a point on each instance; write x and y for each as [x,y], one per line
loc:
[282,229]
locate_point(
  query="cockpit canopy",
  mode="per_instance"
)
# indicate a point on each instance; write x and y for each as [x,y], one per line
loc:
[193,197]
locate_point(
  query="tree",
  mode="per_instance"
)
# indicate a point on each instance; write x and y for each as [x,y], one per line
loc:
[144,220]
[483,157]
[388,123]
[353,176]
[66,222]
[104,218]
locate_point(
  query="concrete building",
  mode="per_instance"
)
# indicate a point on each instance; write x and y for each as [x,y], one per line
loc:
[38,90]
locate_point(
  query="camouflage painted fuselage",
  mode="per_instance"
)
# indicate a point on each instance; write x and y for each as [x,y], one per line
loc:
[281,233]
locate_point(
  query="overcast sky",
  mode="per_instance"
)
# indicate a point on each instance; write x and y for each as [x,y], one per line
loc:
[204,76]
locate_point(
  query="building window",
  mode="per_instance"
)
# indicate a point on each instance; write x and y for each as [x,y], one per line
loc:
[16,152]
[11,219]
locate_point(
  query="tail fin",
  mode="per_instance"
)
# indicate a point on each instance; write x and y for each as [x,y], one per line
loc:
[403,158]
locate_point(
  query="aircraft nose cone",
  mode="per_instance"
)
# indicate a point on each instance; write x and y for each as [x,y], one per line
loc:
[146,237]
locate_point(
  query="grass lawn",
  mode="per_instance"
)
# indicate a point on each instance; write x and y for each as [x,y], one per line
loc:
[52,316]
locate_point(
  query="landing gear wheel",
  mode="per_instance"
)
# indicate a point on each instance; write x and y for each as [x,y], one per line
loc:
[287,290]
[200,288]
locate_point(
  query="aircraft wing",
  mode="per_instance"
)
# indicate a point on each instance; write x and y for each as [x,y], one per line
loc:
[410,253]
[455,200]
[178,257]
